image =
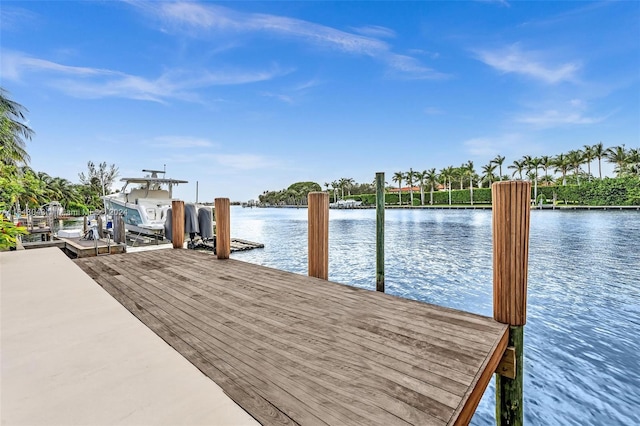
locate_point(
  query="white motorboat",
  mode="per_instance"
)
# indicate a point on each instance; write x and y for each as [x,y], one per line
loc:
[345,204]
[143,202]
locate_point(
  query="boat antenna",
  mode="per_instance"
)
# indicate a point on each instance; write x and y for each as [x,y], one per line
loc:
[154,173]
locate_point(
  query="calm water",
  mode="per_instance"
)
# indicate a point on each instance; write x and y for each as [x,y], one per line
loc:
[582,338]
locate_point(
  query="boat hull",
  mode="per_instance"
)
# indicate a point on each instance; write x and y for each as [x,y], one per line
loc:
[135,217]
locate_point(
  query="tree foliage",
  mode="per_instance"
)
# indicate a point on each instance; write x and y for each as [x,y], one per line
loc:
[13,131]
[295,195]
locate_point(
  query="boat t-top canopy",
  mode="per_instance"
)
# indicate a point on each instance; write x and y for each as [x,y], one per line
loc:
[153,180]
[152,183]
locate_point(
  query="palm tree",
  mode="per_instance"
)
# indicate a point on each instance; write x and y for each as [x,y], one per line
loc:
[446,175]
[561,163]
[335,186]
[32,189]
[64,190]
[533,163]
[345,183]
[498,162]
[45,183]
[460,172]
[409,178]
[13,131]
[545,163]
[633,159]
[576,159]
[547,179]
[420,179]
[588,155]
[432,180]
[398,177]
[518,167]
[487,171]
[599,152]
[349,184]
[469,170]
[618,156]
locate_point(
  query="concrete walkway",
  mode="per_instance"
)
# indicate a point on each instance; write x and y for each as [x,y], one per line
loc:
[72,355]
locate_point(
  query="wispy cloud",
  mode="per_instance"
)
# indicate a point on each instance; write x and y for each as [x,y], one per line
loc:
[15,64]
[307,85]
[279,96]
[433,111]
[294,93]
[491,145]
[503,3]
[555,118]
[198,19]
[99,83]
[570,113]
[375,31]
[512,59]
[227,162]
[181,142]
[16,18]
[245,161]
[422,52]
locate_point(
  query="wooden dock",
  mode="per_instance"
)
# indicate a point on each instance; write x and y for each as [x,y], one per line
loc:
[78,247]
[292,349]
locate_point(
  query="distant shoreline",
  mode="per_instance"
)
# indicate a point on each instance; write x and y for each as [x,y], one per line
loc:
[462,207]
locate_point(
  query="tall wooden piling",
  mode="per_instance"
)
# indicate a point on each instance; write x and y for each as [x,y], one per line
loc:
[380,232]
[223,227]
[318,216]
[177,223]
[511,215]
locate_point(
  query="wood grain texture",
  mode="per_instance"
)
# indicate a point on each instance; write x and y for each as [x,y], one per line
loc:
[292,349]
[511,214]
[318,212]
[223,227]
[177,224]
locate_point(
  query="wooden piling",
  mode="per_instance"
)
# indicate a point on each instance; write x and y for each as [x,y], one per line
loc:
[511,215]
[119,235]
[318,216]
[177,223]
[223,227]
[100,225]
[380,232]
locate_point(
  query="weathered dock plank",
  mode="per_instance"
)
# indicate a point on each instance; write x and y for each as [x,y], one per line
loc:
[292,349]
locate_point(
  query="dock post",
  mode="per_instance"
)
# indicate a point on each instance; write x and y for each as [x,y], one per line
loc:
[119,235]
[177,223]
[223,227]
[380,232]
[511,215]
[100,226]
[318,216]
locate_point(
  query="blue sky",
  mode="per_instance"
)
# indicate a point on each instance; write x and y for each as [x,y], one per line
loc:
[251,96]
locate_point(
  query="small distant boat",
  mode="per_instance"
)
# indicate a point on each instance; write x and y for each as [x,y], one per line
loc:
[345,204]
[144,202]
